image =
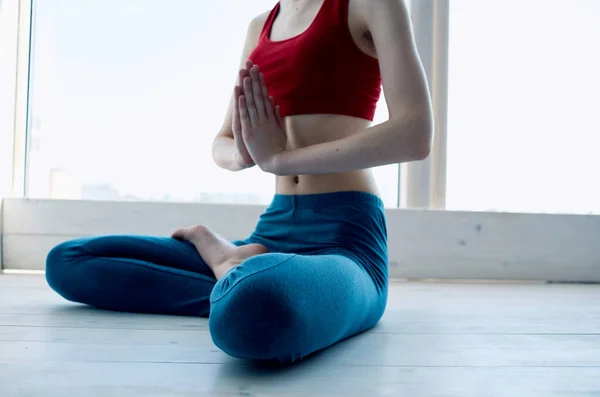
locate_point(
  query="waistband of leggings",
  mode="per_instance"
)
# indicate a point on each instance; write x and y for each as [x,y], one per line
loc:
[325,199]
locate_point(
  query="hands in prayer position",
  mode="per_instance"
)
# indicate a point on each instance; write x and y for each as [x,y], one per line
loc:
[258,128]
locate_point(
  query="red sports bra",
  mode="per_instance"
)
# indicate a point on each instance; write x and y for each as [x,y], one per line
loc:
[322,70]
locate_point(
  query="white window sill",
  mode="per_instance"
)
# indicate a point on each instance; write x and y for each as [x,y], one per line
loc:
[422,244]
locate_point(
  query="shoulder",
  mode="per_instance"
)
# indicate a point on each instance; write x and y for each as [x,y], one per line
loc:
[367,18]
[254,30]
[257,23]
[369,12]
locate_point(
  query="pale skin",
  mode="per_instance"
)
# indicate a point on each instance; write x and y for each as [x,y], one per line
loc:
[311,154]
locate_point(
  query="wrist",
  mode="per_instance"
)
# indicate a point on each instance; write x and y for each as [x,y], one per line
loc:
[239,164]
[278,164]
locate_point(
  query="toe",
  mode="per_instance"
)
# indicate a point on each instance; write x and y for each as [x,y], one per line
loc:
[180,233]
[191,233]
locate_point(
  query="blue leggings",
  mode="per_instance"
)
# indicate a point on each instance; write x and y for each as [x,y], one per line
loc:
[323,280]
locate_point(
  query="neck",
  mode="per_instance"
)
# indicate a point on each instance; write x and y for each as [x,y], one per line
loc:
[297,4]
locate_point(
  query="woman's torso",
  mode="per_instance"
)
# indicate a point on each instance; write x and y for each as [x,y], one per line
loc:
[307,130]
[293,20]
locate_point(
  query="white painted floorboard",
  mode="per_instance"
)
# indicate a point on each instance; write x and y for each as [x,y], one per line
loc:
[435,340]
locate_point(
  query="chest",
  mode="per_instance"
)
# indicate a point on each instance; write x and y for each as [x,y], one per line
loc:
[294,20]
[298,18]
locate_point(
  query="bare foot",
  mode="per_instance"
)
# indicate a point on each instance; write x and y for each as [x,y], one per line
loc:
[218,253]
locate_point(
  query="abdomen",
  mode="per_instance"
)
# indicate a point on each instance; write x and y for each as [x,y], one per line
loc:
[308,130]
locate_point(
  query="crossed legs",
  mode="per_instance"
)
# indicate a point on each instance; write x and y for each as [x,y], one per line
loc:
[264,306]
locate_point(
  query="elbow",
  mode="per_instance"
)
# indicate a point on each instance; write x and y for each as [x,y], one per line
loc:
[415,132]
[214,152]
[423,149]
[423,138]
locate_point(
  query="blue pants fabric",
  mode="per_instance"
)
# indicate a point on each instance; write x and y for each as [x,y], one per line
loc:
[324,279]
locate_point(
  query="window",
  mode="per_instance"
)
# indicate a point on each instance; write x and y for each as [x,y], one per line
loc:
[8,73]
[126,98]
[523,130]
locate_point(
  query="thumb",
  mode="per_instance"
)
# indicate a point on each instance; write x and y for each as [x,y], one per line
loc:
[277,113]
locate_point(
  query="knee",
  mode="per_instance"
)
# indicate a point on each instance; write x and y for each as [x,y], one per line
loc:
[60,269]
[254,318]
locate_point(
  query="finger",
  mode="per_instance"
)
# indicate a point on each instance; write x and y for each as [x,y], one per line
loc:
[249,101]
[238,138]
[259,100]
[237,91]
[244,116]
[263,85]
[272,100]
[269,101]
[249,65]
[270,107]
[236,124]
[280,120]
[241,76]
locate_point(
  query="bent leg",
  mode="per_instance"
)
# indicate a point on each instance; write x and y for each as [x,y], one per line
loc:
[132,273]
[282,307]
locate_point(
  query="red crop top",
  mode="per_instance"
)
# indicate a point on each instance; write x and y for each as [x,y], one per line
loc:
[322,70]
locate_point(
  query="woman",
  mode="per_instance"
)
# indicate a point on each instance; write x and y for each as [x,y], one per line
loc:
[314,271]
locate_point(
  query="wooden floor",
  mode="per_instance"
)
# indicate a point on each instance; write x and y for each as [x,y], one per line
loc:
[442,340]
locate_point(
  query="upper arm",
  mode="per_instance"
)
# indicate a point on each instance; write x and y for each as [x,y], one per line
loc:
[404,81]
[252,36]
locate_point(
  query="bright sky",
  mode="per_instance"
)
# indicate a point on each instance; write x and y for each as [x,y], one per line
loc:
[523,105]
[131,93]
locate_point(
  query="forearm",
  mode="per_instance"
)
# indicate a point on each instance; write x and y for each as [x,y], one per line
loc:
[224,153]
[395,141]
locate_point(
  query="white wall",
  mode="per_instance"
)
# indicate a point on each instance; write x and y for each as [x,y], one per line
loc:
[422,244]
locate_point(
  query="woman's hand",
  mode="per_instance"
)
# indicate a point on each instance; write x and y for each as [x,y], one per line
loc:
[241,156]
[262,127]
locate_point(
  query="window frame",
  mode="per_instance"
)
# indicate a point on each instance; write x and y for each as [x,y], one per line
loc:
[426,180]
[21,117]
